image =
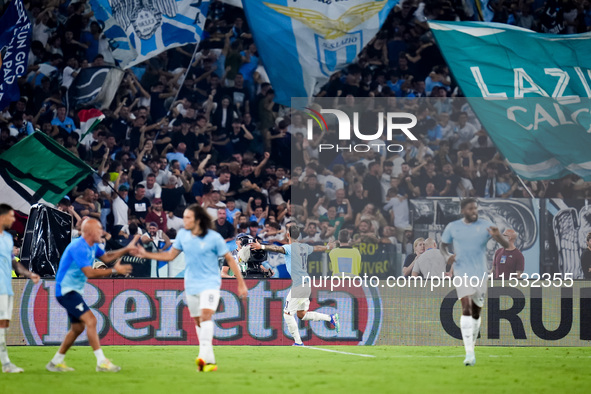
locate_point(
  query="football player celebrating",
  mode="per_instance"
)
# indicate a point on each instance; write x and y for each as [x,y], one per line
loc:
[298,299]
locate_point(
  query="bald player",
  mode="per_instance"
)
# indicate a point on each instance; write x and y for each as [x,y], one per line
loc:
[74,269]
[508,260]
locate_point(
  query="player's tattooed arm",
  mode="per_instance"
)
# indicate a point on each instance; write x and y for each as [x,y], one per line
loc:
[274,248]
[270,248]
[322,248]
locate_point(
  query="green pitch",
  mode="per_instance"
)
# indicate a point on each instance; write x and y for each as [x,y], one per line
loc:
[272,369]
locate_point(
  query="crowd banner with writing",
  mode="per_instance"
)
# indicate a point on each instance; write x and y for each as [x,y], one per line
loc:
[533,92]
[15,42]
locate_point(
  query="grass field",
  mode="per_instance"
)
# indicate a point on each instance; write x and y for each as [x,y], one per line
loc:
[272,369]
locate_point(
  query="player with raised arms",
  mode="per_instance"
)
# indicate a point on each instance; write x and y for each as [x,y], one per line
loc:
[74,269]
[202,247]
[7,263]
[298,299]
[469,237]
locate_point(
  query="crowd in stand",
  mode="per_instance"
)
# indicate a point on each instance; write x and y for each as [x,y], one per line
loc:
[209,132]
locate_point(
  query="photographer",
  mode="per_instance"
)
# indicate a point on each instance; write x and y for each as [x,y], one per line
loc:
[249,261]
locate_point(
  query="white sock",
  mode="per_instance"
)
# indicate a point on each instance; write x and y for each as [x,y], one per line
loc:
[316,316]
[198,331]
[100,356]
[292,327]
[58,358]
[466,327]
[475,329]
[205,342]
[3,352]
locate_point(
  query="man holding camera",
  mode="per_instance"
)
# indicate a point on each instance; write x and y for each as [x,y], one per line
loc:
[251,262]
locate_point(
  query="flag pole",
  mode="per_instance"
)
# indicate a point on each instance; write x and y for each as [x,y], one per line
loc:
[527,189]
[183,79]
[525,186]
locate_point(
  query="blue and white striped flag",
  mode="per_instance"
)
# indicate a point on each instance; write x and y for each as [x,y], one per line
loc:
[303,42]
[140,29]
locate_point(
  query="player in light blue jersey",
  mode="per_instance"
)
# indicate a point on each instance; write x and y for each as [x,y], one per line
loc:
[469,237]
[202,247]
[74,269]
[298,298]
[7,263]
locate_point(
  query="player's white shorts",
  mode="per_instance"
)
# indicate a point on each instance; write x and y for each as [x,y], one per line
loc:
[477,294]
[6,304]
[207,299]
[292,305]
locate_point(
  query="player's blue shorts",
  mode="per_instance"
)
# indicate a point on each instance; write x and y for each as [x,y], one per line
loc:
[74,305]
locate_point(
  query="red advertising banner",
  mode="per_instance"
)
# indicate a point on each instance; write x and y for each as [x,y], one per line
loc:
[153,312]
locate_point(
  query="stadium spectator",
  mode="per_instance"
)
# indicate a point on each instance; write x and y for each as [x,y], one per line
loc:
[178,154]
[397,207]
[156,237]
[222,226]
[120,207]
[418,250]
[311,234]
[203,187]
[365,233]
[586,259]
[153,189]
[486,185]
[222,182]
[371,181]
[85,205]
[172,194]
[342,205]
[62,122]
[157,215]
[508,260]
[139,203]
[431,262]
[211,202]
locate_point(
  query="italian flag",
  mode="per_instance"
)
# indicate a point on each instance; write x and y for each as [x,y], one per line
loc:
[89,119]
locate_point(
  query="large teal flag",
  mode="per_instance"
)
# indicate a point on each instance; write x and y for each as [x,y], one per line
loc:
[531,92]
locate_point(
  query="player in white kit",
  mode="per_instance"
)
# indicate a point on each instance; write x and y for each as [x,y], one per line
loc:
[298,299]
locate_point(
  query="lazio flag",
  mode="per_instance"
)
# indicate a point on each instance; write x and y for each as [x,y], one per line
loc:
[302,43]
[531,92]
